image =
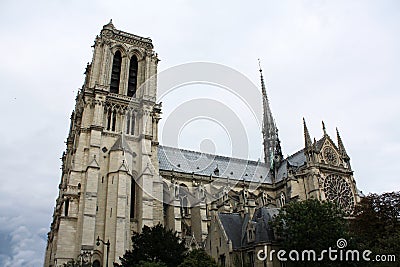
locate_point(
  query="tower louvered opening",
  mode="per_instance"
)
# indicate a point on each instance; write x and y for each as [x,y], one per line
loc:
[116,73]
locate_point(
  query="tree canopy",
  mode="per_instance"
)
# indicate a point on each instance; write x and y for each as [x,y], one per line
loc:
[198,258]
[156,245]
[376,225]
[310,225]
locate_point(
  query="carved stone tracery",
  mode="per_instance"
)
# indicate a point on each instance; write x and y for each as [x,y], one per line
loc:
[338,190]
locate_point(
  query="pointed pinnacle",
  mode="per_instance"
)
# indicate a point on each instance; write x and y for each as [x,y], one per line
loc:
[342,150]
[307,138]
[323,127]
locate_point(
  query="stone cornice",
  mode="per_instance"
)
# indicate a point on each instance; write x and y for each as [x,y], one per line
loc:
[128,38]
[124,98]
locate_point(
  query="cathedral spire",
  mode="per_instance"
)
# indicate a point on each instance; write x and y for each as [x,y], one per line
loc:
[270,132]
[342,150]
[307,138]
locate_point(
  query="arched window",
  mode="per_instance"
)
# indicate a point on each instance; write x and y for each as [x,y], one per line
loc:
[116,73]
[113,120]
[108,119]
[133,194]
[132,81]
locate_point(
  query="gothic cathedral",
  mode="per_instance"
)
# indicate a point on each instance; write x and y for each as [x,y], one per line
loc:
[116,177]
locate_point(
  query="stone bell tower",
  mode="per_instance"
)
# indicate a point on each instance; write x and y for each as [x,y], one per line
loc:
[110,184]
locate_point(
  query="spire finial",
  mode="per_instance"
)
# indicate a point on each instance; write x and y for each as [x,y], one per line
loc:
[264,91]
[270,134]
[323,127]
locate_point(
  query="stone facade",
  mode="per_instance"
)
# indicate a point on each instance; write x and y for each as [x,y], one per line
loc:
[110,166]
[116,178]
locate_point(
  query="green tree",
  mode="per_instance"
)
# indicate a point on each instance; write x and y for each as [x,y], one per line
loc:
[156,245]
[376,225]
[198,258]
[310,225]
[151,264]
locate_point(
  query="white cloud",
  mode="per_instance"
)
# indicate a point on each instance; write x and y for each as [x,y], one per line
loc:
[25,244]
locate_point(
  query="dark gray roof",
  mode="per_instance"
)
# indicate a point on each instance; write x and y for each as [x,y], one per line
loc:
[297,159]
[233,225]
[262,217]
[186,161]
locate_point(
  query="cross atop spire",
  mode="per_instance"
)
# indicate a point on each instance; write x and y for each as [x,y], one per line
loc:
[270,132]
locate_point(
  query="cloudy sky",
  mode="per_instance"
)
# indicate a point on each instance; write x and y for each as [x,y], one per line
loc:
[337,61]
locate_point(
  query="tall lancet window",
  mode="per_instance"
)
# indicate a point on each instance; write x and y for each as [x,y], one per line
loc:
[116,73]
[133,196]
[130,123]
[114,121]
[132,81]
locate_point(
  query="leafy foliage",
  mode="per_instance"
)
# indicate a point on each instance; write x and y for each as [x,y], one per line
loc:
[198,258]
[155,245]
[151,264]
[310,224]
[376,225]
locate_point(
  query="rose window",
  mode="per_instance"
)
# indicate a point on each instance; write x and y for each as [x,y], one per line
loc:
[338,190]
